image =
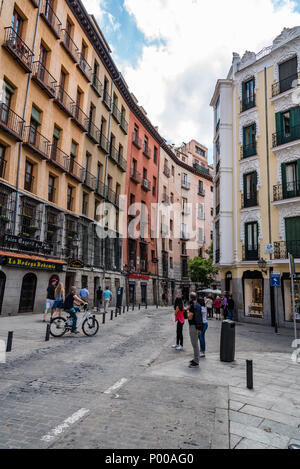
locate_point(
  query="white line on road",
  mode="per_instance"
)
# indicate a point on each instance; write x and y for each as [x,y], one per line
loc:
[64,426]
[116,386]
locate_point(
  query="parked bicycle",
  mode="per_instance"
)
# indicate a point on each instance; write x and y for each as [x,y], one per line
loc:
[89,324]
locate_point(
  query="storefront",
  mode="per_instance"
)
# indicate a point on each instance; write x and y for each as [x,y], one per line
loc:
[253,287]
[287,297]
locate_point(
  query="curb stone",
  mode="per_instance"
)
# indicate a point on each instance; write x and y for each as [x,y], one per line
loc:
[220,439]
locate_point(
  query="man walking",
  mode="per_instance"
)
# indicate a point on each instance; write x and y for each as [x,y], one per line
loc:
[107,295]
[196,325]
[50,299]
[230,306]
[99,294]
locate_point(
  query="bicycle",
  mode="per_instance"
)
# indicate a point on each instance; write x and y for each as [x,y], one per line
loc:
[89,324]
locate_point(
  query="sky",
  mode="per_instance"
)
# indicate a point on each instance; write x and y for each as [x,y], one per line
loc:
[172,52]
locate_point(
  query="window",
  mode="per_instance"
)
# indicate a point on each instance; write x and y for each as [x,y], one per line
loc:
[73,154]
[28,183]
[51,188]
[154,186]
[170,245]
[155,155]
[136,132]
[171,263]
[85,199]
[200,211]
[146,144]
[200,235]
[70,198]
[7,93]
[249,140]
[287,74]
[287,126]
[290,179]
[251,241]
[2,161]
[211,212]
[173,171]
[35,122]
[250,189]
[17,23]
[248,94]
[218,115]
[200,188]
[200,152]
[55,142]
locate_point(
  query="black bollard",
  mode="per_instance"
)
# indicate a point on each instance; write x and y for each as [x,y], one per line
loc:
[146,306]
[132,307]
[112,316]
[9,341]
[123,309]
[127,308]
[47,338]
[139,307]
[116,313]
[103,319]
[249,374]
[120,311]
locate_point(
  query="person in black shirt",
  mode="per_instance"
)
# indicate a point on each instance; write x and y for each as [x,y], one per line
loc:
[71,309]
[50,299]
[99,294]
[230,306]
[196,324]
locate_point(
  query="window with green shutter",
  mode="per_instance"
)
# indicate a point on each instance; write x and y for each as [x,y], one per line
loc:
[251,241]
[287,126]
[248,100]
[291,179]
[250,189]
[292,231]
[249,140]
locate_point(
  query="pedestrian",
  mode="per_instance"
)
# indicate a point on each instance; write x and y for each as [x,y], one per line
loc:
[107,295]
[204,329]
[195,327]
[179,319]
[165,299]
[99,295]
[71,309]
[230,306]
[59,299]
[50,299]
[217,305]
[224,306]
[209,307]
[178,299]
[84,294]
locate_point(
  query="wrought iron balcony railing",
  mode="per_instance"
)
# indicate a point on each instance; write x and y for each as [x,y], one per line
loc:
[11,122]
[64,101]
[286,136]
[136,141]
[76,170]
[248,103]
[122,163]
[251,201]
[44,78]
[185,185]
[100,189]
[106,99]
[93,131]
[124,124]
[136,176]
[167,172]
[80,118]
[286,191]
[17,47]
[248,150]
[116,113]
[147,151]
[36,141]
[146,185]
[69,45]
[286,84]
[111,196]
[113,153]
[103,143]
[50,17]
[201,169]
[89,180]
[251,254]
[282,249]
[85,67]
[97,85]
[59,158]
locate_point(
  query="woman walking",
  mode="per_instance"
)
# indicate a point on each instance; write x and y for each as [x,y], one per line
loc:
[179,318]
[204,329]
[209,307]
[59,299]
[217,305]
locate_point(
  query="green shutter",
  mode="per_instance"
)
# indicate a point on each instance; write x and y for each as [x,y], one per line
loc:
[279,128]
[56,133]
[295,122]
[284,187]
[254,187]
[9,88]
[36,115]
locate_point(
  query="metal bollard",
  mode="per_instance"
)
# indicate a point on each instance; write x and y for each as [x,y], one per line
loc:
[103,319]
[9,341]
[139,307]
[116,313]
[112,316]
[123,309]
[47,338]
[132,307]
[146,306]
[249,374]
[120,311]
[127,308]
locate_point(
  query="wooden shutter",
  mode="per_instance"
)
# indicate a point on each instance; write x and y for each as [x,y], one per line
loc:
[254,186]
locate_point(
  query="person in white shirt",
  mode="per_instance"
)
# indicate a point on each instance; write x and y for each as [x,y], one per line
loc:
[209,307]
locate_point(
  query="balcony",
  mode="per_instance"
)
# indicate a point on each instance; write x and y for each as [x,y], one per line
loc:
[287,191]
[184,236]
[76,170]
[84,67]
[248,103]
[49,16]
[93,132]
[116,113]
[166,199]
[18,49]
[103,143]
[59,158]
[147,152]
[51,194]
[251,254]
[281,138]
[137,142]
[122,163]
[37,142]
[201,169]
[201,192]
[69,45]
[248,150]
[111,196]
[64,101]
[100,189]
[80,118]
[113,154]
[146,185]
[167,172]
[135,176]
[11,122]
[97,85]
[285,85]
[44,79]
[107,99]
[185,185]
[284,248]
[252,201]
[124,124]
[90,180]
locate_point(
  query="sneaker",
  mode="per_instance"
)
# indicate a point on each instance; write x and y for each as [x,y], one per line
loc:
[174,346]
[202,355]
[193,364]
[75,332]
[179,347]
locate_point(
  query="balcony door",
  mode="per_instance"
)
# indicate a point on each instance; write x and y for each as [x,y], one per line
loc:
[287,74]
[17,23]
[292,231]
[251,237]
[291,179]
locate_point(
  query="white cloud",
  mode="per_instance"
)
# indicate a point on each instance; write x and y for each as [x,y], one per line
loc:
[106,20]
[175,80]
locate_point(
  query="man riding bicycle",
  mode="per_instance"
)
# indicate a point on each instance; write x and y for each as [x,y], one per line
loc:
[71,309]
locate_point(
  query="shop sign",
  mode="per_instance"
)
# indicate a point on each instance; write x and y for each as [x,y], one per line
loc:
[275,279]
[76,264]
[18,262]
[31,244]
[141,277]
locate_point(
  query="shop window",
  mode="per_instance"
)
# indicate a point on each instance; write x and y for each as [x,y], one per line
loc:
[254,297]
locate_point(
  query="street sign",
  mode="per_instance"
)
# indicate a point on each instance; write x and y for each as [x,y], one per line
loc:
[269,248]
[275,279]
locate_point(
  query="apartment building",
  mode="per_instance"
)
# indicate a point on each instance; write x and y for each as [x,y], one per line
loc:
[256,160]
[63,147]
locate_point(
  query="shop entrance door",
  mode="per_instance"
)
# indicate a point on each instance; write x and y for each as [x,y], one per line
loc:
[144,294]
[132,294]
[27,297]
[70,282]
[2,288]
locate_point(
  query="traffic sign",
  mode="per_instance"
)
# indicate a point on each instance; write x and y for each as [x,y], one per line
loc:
[275,279]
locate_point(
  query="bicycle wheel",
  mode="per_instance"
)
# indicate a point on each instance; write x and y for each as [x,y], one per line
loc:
[58,327]
[90,326]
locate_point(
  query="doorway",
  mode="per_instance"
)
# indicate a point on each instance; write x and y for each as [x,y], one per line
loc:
[28,290]
[2,288]
[70,282]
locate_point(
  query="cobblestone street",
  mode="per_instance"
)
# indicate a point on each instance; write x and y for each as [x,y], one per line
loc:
[127,388]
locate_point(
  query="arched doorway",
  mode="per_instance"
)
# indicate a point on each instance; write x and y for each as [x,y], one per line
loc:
[2,288]
[27,296]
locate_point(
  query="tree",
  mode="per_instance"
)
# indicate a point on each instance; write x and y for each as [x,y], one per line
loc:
[202,271]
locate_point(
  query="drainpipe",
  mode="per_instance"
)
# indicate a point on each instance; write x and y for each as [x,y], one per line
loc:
[24,115]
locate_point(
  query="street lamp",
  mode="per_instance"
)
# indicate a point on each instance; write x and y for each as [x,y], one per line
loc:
[262,264]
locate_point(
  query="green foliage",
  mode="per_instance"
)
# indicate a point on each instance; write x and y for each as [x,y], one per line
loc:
[202,271]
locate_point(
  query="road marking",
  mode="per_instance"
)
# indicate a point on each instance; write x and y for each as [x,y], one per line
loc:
[116,386]
[64,426]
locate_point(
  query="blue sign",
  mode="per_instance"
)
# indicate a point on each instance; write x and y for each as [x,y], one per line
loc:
[275,280]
